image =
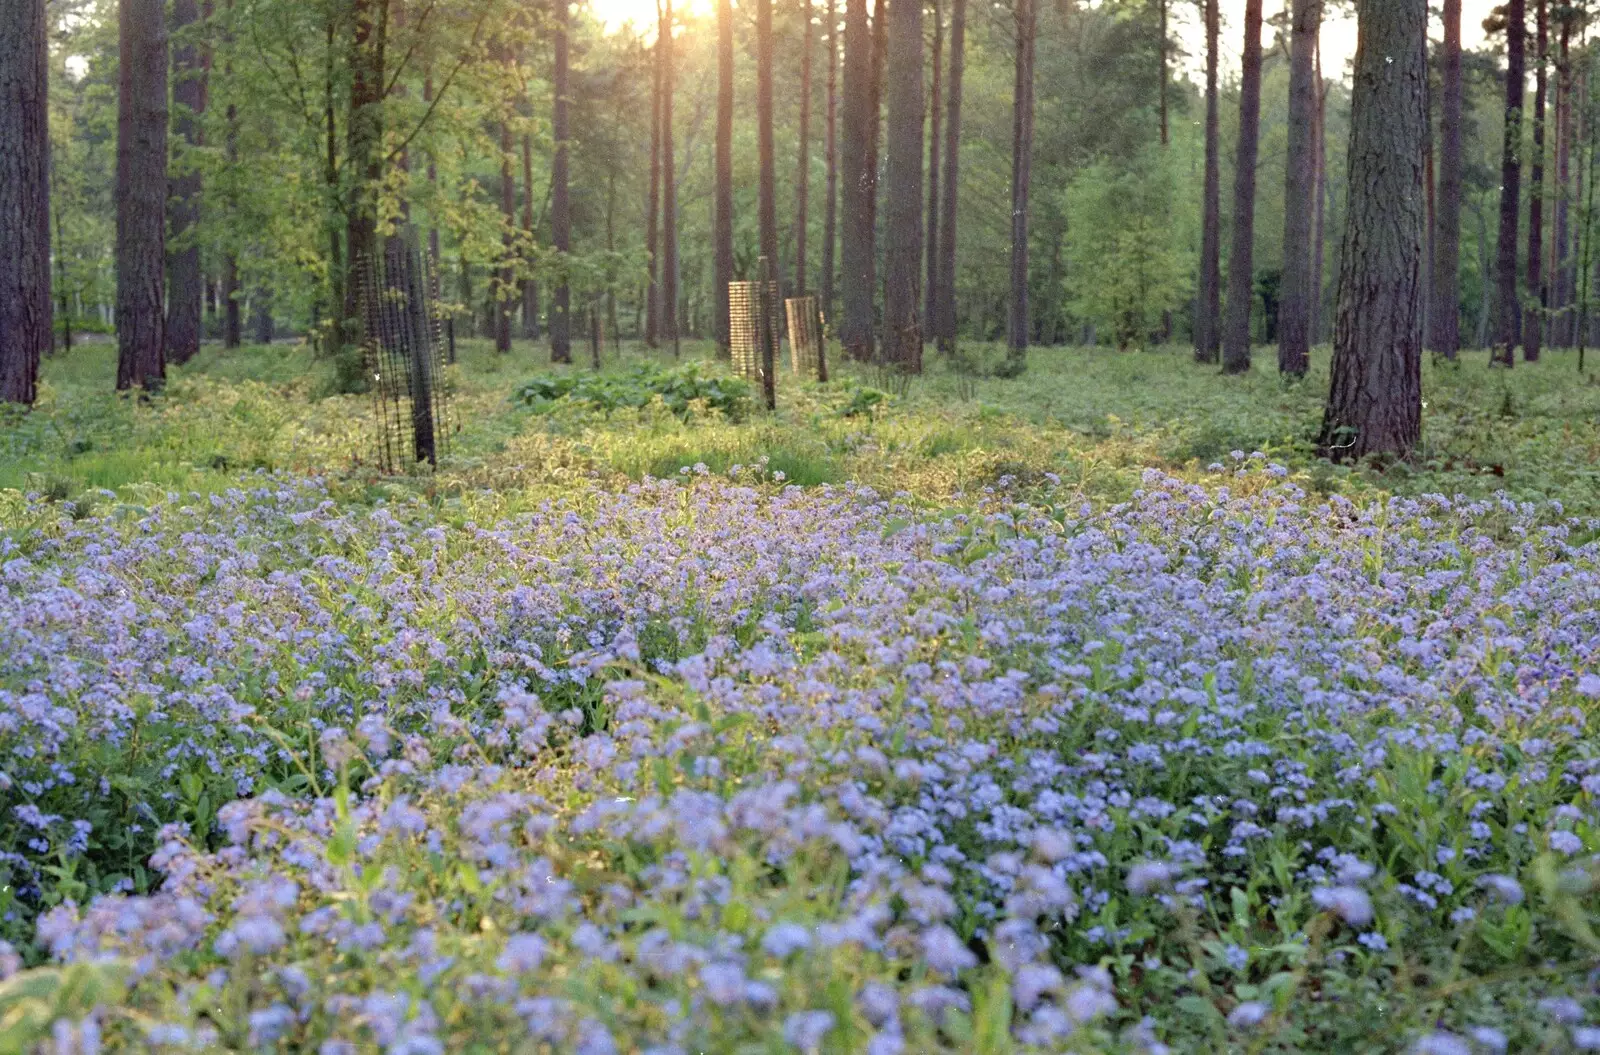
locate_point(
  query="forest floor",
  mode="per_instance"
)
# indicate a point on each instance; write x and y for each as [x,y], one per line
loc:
[1086,711]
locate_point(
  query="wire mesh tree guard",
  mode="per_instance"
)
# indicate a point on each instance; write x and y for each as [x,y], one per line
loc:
[399,294]
[753,330]
[808,355]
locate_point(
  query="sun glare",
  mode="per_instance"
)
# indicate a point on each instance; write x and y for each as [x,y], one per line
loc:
[616,15]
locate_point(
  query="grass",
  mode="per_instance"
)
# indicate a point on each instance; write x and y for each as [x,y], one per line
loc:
[1092,417]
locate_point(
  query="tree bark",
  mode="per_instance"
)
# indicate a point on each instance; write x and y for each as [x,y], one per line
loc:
[930,242]
[830,214]
[802,175]
[652,240]
[860,185]
[530,287]
[1560,264]
[1445,329]
[669,186]
[185,288]
[1533,329]
[364,146]
[1019,318]
[1319,219]
[25,319]
[1510,188]
[506,277]
[1208,306]
[945,325]
[232,329]
[723,218]
[141,194]
[1161,12]
[1375,402]
[1300,185]
[902,264]
[560,214]
[1241,272]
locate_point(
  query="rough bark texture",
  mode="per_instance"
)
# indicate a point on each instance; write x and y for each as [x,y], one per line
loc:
[1300,185]
[830,209]
[1021,176]
[652,221]
[767,203]
[364,144]
[141,194]
[930,242]
[231,328]
[802,174]
[1375,402]
[1319,219]
[1208,307]
[859,181]
[24,201]
[560,212]
[505,279]
[185,287]
[902,257]
[1445,329]
[1241,269]
[1510,189]
[722,235]
[1533,328]
[530,288]
[1561,329]
[669,188]
[945,324]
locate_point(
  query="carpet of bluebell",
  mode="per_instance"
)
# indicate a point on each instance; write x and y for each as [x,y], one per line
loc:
[721,764]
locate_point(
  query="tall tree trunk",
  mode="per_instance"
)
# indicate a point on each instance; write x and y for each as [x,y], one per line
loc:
[1560,264]
[1539,295]
[232,329]
[185,288]
[1161,12]
[1446,314]
[767,204]
[859,185]
[902,262]
[652,239]
[560,213]
[141,194]
[1300,186]
[1208,305]
[364,145]
[1510,187]
[1319,219]
[945,324]
[723,218]
[930,242]
[1019,320]
[25,322]
[1241,271]
[266,330]
[669,185]
[1375,402]
[530,286]
[830,214]
[802,176]
[506,276]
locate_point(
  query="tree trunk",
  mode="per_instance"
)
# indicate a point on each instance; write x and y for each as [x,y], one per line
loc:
[1446,314]
[364,149]
[1021,171]
[1560,264]
[945,324]
[669,188]
[560,214]
[652,240]
[506,278]
[860,185]
[232,329]
[802,176]
[141,194]
[530,287]
[1375,402]
[1319,219]
[1208,307]
[1161,12]
[830,214]
[25,321]
[185,291]
[902,262]
[1300,186]
[1241,272]
[1510,187]
[930,241]
[1533,329]
[723,218]
[266,329]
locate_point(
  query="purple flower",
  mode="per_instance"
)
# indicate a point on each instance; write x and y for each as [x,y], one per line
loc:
[805,1029]
[945,952]
[522,955]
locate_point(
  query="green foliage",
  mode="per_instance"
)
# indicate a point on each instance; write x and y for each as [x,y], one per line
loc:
[680,390]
